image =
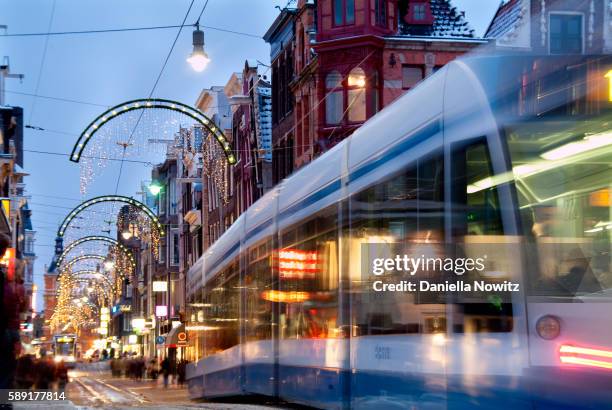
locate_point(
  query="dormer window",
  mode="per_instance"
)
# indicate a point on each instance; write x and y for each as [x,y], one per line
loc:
[419,12]
[344,12]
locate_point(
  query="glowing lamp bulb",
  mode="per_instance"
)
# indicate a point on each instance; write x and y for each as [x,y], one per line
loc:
[126,235]
[155,189]
[109,265]
[198,60]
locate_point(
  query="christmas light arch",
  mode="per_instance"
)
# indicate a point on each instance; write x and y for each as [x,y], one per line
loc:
[71,262]
[151,103]
[85,239]
[109,198]
[79,276]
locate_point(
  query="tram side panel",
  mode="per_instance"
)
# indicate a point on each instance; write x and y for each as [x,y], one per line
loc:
[312,353]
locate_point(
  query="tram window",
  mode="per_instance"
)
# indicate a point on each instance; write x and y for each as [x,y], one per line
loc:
[482,205]
[406,213]
[195,317]
[257,283]
[222,312]
[564,186]
[478,231]
[308,278]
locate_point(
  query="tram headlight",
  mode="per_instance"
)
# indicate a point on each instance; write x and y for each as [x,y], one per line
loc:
[548,327]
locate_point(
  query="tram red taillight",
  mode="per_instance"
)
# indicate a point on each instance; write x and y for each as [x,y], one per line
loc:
[585,356]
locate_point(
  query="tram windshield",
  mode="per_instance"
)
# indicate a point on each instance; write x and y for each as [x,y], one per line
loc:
[557,127]
[65,347]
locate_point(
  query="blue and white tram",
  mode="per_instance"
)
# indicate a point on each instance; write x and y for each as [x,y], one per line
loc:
[501,156]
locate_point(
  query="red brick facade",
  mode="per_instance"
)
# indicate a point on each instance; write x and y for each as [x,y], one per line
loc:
[354,57]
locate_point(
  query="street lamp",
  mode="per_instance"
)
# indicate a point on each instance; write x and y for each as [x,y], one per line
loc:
[154,188]
[198,58]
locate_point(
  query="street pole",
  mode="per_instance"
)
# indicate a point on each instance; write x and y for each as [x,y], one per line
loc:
[5,72]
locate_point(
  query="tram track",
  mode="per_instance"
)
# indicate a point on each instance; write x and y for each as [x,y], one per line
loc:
[99,392]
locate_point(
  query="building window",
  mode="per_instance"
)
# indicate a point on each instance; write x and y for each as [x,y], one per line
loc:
[411,75]
[162,202]
[174,257]
[344,12]
[418,11]
[565,34]
[381,12]
[373,87]
[162,252]
[333,102]
[356,95]
[172,198]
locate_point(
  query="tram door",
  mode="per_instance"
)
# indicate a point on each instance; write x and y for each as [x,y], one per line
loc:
[487,353]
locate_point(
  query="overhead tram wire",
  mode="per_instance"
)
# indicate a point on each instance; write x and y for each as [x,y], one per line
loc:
[42,62]
[88,156]
[153,90]
[47,97]
[128,29]
[201,12]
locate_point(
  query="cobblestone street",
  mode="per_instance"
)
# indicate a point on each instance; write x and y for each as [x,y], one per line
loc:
[97,389]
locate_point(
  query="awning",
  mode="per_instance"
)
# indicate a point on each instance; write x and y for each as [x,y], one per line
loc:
[4,222]
[194,219]
[177,337]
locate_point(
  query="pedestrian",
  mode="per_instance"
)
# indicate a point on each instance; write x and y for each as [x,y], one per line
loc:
[24,375]
[165,368]
[61,375]
[152,369]
[141,367]
[122,367]
[181,368]
[11,304]
[45,372]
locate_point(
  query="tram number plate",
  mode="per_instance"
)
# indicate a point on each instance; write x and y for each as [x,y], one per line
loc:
[382,352]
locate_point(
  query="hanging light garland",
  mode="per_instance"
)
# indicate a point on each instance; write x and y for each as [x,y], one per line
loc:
[215,166]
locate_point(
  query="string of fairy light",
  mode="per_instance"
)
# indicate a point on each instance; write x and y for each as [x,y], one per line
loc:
[92,269]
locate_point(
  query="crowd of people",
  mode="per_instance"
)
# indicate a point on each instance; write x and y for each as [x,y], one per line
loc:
[13,303]
[43,373]
[138,368]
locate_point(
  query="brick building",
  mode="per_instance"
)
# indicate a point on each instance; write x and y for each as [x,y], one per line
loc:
[217,214]
[350,59]
[553,26]
[281,36]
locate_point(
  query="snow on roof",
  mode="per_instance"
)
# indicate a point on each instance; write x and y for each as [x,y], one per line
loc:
[506,20]
[448,22]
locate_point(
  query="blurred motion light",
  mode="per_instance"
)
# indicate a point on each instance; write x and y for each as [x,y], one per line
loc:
[609,77]
[198,58]
[285,296]
[589,143]
[574,355]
